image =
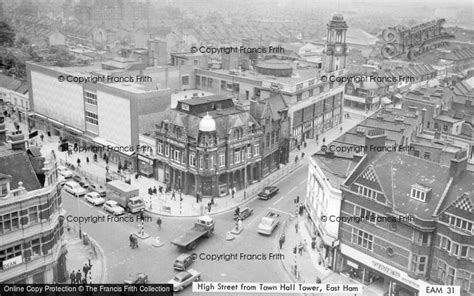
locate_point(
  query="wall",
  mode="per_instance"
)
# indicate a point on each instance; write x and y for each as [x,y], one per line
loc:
[114,118]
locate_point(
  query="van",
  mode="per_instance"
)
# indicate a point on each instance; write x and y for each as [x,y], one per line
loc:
[74,188]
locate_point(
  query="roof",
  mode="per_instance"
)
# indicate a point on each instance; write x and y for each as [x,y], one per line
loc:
[397,172]
[461,194]
[206,99]
[335,169]
[13,84]
[17,164]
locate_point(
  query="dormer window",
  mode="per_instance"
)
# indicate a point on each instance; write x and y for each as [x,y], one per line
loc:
[3,190]
[419,192]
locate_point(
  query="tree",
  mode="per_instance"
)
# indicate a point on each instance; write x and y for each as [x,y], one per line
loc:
[7,36]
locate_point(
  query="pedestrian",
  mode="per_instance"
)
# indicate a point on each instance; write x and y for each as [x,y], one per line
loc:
[296,227]
[158,222]
[73,277]
[150,191]
[107,168]
[136,176]
[85,269]
[299,147]
[302,155]
[87,160]
[340,129]
[135,241]
[78,276]
[131,240]
[300,249]
[142,217]
[296,158]
[154,190]
[245,194]
[78,162]
[324,140]
[42,137]
[197,197]
[237,212]
[173,196]
[232,192]
[280,241]
[209,207]
[297,199]
[301,209]
[160,189]
[212,200]
[95,157]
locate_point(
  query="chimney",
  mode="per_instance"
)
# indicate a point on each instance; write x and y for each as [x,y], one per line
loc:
[17,140]
[253,107]
[3,131]
[458,165]
[373,139]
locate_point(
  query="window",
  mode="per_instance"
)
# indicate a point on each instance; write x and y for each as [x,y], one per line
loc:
[211,162]
[160,148]
[418,193]
[298,97]
[33,214]
[198,80]
[223,84]
[177,155]
[451,275]
[249,151]
[445,127]
[464,279]
[366,215]
[367,192]
[460,223]
[362,238]
[91,98]
[201,161]
[311,92]
[167,150]
[428,125]
[192,159]
[426,155]
[209,82]
[418,263]
[436,126]
[256,149]
[92,118]
[464,251]
[3,190]
[422,238]
[185,80]
[204,81]
[222,159]
[229,86]
[416,153]
[455,249]
[236,156]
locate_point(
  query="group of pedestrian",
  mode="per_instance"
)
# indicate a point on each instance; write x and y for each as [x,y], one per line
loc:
[152,190]
[299,248]
[133,241]
[76,276]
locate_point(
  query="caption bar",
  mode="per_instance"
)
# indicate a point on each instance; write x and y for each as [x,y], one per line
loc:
[221,287]
[92,289]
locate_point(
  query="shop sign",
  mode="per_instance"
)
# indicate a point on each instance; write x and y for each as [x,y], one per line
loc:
[9,263]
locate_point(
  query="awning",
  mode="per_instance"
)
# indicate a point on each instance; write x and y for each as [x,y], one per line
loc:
[74,130]
[56,122]
[354,98]
[37,115]
[386,101]
[125,150]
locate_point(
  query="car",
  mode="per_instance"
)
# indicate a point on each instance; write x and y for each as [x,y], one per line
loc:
[94,198]
[111,206]
[268,192]
[65,172]
[98,189]
[61,181]
[82,182]
[244,214]
[139,278]
[74,188]
[268,223]
[184,279]
[184,261]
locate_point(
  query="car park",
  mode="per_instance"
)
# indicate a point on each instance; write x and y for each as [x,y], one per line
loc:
[94,198]
[184,261]
[184,279]
[112,207]
[268,192]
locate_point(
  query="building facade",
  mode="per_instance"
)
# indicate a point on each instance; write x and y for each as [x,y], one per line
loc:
[32,246]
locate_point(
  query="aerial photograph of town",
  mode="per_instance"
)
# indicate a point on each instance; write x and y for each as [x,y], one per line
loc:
[237,147]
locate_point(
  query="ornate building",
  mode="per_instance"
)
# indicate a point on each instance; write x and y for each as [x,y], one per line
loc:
[336,48]
[32,247]
[208,146]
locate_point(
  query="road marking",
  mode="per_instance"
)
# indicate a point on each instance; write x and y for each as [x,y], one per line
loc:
[292,189]
[302,182]
[281,198]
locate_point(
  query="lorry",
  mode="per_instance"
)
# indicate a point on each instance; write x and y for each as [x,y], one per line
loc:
[204,227]
[126,196]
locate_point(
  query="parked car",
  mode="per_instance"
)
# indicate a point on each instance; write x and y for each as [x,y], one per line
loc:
[98,189]
[268,192]
[82,182]
[184,261]
[64,171]
[269,222]
[244,214]
[111,206]
[139,278]
[74,188]
[61,181]
[184,279]
[94,198]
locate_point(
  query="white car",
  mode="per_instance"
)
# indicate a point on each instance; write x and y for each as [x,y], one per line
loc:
[184,279]
[269,223]
[74,188]
[65,172]
[94,198]
[114,208]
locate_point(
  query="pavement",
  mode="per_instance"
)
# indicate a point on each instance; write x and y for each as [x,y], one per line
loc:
[79,254]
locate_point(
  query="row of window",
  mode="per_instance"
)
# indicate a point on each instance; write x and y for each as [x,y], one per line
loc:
[459,223]
[27,217]
[32,248]
[450,276]
[91,98]
[454,249]
[426,155]
[92,118]
[367,192]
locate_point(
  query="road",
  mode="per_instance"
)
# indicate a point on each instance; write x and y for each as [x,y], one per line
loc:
[122,261]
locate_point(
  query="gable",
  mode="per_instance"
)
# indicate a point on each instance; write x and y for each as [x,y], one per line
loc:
[463,203]
[368,178]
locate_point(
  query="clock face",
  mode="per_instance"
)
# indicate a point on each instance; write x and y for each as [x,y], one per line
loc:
[338,48]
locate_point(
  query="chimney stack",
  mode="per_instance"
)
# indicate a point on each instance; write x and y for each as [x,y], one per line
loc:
[458,165]
[3,131]
[17,140]
[373,139]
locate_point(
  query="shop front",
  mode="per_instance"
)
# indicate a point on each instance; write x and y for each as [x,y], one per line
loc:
[380,276]
[145,166]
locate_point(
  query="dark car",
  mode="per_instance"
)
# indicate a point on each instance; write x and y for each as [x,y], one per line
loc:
[139,278]
[244,214]
[184,261]
[268,192]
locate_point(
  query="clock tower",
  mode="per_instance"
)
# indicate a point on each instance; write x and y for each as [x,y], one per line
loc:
[336,48]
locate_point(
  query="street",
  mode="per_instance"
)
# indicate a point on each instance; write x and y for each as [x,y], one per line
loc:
[157,262]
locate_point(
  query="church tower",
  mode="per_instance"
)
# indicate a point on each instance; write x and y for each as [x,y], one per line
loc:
[336,48]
